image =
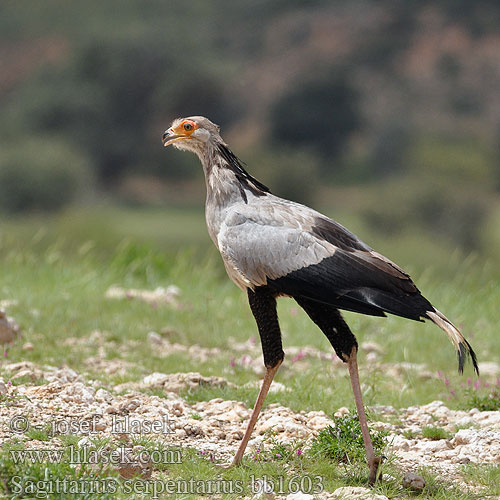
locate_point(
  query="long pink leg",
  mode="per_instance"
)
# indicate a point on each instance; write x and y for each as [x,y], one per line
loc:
[373,461]
[266,383]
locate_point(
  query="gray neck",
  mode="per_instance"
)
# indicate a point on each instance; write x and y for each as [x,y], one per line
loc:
[223,189]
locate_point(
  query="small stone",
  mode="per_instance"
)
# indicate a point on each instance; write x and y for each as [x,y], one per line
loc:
[341,412]
[426,419]
[464,436]
[124,408]
[356,492]
[429,447]
[28,346]
[80,394]
[155,297]
[103,396]
[299,496]
[84,442]
[155,380]
[400,443]
[100,426]
[238,435]
[274,423]
[123,437]
[154,338]
[133,405]
[28,372]
[384,409]
[370,346]
[317,421]
[193,430]
[465,422]
[413,481]
[263,490]
[22,365]
[3,389]
[134,468]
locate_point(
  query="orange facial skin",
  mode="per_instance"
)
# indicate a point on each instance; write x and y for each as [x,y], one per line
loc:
[182,131]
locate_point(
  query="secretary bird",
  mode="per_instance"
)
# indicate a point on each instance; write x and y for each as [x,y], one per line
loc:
[273,247]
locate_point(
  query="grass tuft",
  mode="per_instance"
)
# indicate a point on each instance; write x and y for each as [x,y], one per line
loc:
[435,433]
[484,402]
[484,475]
[344,442]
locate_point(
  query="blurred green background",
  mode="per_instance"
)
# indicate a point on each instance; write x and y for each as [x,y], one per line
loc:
[385,115]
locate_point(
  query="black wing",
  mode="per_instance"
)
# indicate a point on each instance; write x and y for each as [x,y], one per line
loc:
[354,278]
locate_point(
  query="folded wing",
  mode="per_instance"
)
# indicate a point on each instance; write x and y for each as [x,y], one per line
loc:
[299,252]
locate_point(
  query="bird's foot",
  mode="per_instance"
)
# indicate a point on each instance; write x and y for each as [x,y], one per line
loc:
[373,464]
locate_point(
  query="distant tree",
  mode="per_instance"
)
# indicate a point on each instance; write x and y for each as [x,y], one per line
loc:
[390,146]
[321,113]
[106,97]
[41,174]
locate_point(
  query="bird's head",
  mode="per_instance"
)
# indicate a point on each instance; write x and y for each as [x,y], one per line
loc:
[192,134]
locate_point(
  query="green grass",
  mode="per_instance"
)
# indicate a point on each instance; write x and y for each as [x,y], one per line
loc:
[39,434]
[435,433]
[99,229]
[487,476]
[344,442]
[56,278]
[485,402]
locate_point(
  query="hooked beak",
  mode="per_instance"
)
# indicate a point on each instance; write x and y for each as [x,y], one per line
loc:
[169,137]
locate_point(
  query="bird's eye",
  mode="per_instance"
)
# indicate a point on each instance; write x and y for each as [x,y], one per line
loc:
[188,127]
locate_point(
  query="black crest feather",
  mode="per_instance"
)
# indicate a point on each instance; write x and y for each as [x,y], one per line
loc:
[242,175]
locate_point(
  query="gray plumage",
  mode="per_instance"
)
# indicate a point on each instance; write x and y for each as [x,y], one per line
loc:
[265,240]
[273,247]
